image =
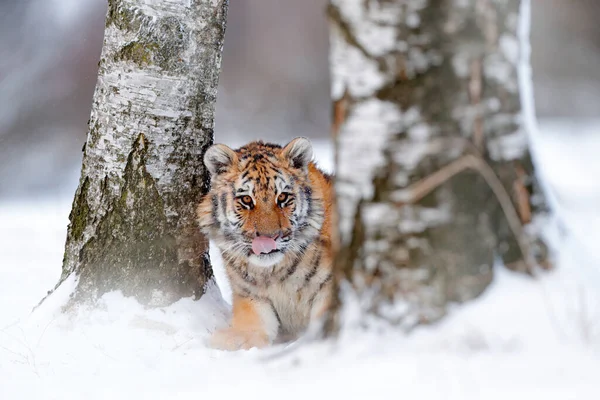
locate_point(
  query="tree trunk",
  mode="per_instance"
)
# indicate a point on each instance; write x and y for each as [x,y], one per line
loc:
[132,226]
[430,89]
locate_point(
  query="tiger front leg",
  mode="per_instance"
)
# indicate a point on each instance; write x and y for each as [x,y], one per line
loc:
[321,304]
[254,324]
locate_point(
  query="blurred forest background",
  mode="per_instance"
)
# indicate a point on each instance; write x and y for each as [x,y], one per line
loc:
[274,83]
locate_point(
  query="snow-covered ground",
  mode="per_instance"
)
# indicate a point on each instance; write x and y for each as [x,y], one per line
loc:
[523,339]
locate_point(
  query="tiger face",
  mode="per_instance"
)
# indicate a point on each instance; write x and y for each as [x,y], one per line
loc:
[261,208]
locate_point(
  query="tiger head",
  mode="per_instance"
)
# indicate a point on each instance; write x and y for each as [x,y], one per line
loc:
[261,207]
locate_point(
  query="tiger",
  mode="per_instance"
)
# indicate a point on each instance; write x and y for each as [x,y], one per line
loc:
[269,212]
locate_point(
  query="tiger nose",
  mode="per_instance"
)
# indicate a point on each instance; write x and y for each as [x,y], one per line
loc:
[272,235]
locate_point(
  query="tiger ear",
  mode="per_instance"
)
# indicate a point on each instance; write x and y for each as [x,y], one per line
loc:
[219,158]
[299,151]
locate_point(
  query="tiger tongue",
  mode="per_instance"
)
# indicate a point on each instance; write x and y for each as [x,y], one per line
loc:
[263,244]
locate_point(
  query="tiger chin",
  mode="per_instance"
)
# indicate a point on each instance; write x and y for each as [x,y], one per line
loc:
[269,211]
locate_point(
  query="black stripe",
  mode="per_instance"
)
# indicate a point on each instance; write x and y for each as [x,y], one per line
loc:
[223,201]
[321,286]
[245,276]
[245,292]
[241,286]
[292,268]
[303,247]
[307,191]
[271,164]
[229,236]
[327,279]
[214,208]
[272,145]
[275,311]
[248,295]
[314,268]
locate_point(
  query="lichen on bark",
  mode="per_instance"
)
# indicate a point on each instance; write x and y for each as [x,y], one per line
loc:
[80,211]
[158,42]
[133,242]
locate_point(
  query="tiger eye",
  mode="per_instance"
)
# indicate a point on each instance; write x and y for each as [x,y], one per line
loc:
[247,200]
[282,197]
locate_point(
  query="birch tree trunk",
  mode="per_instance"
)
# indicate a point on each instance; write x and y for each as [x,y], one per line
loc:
[132,226]
[423,88]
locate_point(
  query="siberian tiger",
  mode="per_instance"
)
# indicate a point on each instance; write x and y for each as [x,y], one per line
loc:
[269,211]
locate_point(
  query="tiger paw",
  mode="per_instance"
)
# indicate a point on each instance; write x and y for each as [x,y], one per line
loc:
[231,339]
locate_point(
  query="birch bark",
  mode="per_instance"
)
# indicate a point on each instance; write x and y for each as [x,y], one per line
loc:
[132,226]
[417,85]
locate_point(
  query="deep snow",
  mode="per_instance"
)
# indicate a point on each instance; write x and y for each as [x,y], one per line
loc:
[523,339]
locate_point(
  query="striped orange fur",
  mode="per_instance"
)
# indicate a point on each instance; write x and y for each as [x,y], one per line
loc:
[265,193]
